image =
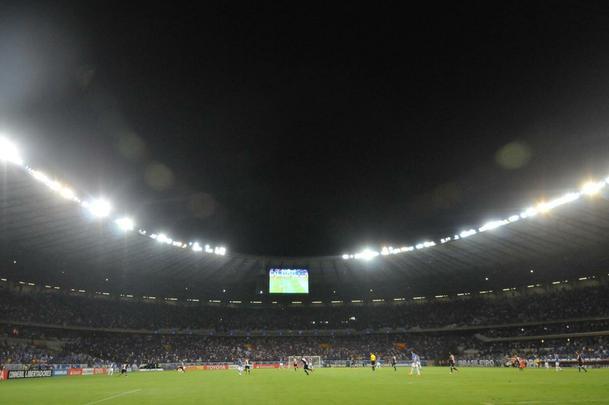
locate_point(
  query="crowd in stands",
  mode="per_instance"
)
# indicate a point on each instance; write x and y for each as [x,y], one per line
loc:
[145,349]
[549,329]
[27,353]
[60,309]
[21,343]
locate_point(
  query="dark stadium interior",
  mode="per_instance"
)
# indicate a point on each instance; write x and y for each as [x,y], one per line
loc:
[420,182]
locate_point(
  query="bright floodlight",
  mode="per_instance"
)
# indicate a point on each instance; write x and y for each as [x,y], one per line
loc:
[162,238]
[9,152]
[67,193]
[99,208]
[368,254]
[125,224]
[592,187]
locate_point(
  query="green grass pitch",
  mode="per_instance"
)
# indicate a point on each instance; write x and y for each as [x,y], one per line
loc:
[324,386]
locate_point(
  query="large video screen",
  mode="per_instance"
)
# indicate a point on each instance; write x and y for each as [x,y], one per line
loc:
[288,281]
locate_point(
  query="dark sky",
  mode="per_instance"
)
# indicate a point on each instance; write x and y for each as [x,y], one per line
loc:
[310,129]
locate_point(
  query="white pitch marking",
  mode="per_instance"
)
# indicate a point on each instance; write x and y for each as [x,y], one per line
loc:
[120,394]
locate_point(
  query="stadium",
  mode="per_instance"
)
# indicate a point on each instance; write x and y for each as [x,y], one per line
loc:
[122,282]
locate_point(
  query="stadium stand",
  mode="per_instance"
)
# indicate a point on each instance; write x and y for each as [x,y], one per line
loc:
[51,327]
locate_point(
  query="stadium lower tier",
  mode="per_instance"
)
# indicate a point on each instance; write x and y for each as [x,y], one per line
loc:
[96,349]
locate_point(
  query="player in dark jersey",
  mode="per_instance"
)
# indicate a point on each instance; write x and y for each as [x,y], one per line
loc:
[451,363]
[248,366]
[394,362]
[580,362]
[305,365]
[124,370]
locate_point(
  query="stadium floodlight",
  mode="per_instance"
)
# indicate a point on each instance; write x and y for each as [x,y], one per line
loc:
[220,250]
[529,212]
[68,193]
[514,218]
[126,224]
[544,207]
[345,257]
[492,225]
[467,233]
[367,254]
[162,238]
[196,247]
[98,208]
[9,152]
[592,187]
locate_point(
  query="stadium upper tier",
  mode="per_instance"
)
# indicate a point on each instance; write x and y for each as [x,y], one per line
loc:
[530,306]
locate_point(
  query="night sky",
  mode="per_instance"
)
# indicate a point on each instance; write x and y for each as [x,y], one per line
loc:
[310,129]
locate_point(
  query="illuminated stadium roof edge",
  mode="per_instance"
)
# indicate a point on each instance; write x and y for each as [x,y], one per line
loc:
[102,209]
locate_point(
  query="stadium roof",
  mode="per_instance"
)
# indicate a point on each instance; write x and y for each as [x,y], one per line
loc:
[47,239]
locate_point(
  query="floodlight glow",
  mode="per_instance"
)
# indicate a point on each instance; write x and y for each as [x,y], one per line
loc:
[366,254]
[40,176]
[68,193]
[125,224]
[529,212]
[221,251]
[592,187]
[345,256]
[98,208]
[492,225]
[162,238]
[514,218]
[543,207]
[196,247]
[9,152]
[557,202]
[467,233]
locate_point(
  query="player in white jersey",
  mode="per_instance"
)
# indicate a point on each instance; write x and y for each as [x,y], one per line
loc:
[248,366]
[557,363]
[416,363]
[452,363]
[110,369]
